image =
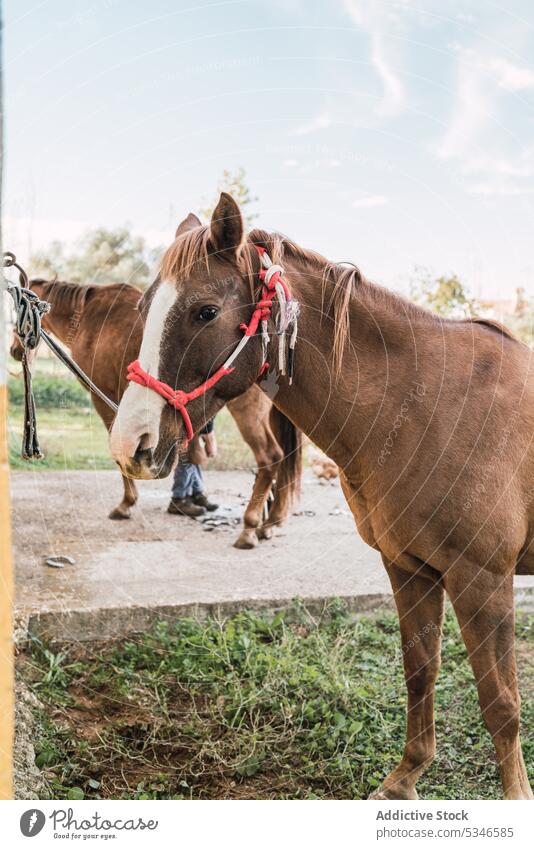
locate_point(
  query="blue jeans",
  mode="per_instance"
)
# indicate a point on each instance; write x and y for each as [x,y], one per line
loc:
[188,480]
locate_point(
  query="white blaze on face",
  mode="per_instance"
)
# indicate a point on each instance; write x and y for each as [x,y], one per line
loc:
[140,408]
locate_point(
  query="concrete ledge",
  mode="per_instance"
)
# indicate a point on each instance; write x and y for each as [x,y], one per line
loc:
[115,622]
[109,623]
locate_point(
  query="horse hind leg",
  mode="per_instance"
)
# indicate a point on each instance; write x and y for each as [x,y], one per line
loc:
[252,519]
[485,611]
[129,498]
[420,605]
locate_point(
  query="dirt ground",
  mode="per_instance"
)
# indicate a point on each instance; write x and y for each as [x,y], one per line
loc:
[155,561]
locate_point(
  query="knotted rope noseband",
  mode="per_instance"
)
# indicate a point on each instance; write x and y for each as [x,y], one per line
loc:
[273,287]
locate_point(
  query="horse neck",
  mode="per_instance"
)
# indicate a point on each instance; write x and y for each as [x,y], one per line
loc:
[67,304]
[339,413]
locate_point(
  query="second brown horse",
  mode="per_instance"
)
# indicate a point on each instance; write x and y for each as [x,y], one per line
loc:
[102,328]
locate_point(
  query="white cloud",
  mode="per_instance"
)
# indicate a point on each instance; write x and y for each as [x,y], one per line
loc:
[500,188]
[25,234]
[476,137]
[473,102]
[321,122]
[373,17]
[512,77]
[521,165]
[465,17]
[370,201]
[479,79]
[393,98]
[304,166]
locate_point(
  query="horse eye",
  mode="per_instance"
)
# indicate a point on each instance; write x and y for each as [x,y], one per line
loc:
[208,314]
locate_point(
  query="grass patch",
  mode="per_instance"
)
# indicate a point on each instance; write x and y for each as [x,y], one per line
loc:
[71,438]
[258,709]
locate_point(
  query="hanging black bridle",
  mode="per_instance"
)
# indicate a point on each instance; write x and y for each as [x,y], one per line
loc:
[29,312]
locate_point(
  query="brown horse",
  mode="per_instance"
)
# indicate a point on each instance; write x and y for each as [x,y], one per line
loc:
[102,327]
[429,420]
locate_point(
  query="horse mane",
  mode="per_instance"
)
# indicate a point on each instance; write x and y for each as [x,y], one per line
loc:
[72,296]
[188,250]
[340,281]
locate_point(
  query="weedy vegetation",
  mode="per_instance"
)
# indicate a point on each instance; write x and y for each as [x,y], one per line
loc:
[294,707]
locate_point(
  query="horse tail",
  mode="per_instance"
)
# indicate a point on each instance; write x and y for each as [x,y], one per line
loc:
[289,469]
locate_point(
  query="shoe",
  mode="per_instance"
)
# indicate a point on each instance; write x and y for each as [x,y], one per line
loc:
[185,507]
[202,501]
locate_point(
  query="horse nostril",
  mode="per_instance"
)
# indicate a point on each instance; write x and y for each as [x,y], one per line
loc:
[143,454]
[144,442]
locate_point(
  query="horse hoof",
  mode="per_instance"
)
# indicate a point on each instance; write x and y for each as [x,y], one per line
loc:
[378,794]
[264,533]
[246,540]
[117,513]
[382,793]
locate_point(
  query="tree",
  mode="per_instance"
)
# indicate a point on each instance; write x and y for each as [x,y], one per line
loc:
[522,321]
[445,295]
[235,184]
[100,256]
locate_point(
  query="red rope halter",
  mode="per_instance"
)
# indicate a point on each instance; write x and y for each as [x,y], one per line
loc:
[179,399]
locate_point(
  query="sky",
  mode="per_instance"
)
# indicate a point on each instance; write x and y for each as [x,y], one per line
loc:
[391,134]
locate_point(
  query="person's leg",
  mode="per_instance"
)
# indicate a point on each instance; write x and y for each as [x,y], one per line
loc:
[197,480]
[199,496]
[182,481]
[181,503]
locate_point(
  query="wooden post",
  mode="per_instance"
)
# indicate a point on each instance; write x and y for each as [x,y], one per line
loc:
[6,572]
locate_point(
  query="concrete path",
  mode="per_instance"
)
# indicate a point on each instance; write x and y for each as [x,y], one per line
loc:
[129,573]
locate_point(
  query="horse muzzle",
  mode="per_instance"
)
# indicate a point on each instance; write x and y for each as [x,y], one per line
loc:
[147,463]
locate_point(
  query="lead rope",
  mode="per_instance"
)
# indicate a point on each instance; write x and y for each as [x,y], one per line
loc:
[29,311]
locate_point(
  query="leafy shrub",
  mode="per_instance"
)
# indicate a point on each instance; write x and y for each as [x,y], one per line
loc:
[50,392]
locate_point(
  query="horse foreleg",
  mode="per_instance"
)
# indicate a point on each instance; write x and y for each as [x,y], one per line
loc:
[485,610]
[123,510]
[248,538]
[130,496]
[420,605]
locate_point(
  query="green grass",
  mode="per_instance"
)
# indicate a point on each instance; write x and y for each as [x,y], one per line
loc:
[251,708]
[71,438]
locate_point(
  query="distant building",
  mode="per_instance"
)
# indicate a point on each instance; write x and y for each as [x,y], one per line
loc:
[500,308]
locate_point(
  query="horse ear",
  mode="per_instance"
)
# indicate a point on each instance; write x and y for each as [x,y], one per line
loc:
[226,227]
[188,223]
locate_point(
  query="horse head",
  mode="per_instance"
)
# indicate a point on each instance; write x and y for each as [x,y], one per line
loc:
[193,316]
